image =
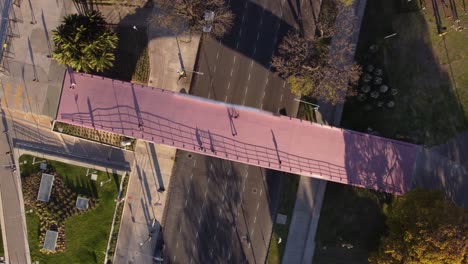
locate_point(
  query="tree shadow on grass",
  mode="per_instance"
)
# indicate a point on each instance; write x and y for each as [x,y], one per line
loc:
[350,215]
[427,109]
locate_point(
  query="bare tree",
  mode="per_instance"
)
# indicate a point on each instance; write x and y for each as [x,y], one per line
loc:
[179,15]
[297,55]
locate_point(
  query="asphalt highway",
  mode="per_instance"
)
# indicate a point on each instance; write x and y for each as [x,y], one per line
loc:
[220,211]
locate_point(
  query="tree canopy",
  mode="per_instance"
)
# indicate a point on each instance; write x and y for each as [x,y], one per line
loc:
[424,228]
[179,15]
[305,61]
[83,42]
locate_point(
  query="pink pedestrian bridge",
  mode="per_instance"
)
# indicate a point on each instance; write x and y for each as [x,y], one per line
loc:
[237,133]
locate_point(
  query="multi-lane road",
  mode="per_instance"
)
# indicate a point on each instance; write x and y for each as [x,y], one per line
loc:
[220,211]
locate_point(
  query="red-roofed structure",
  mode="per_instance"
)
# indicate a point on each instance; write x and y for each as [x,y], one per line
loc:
[237,133]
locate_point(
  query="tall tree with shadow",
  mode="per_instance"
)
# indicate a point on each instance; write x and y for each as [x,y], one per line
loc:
[424,227]
[83,42]
[181,15]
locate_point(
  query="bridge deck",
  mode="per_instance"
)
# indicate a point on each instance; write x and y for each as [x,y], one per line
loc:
[237,133]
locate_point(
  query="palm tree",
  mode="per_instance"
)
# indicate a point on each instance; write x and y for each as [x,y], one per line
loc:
[83,42]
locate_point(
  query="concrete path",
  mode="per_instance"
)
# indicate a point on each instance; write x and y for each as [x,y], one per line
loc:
[300,245]
[30,82]
[445,167]
[153,163]
[13,223]
[144,203]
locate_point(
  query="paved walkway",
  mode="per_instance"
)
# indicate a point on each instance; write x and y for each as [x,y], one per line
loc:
[144,203]
[30,82]
[445,167]
[154,163]
[238,133]
[300,245]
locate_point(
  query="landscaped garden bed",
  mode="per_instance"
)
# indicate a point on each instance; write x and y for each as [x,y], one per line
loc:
[82,234]
[131,56]
[118,218]
[96,135]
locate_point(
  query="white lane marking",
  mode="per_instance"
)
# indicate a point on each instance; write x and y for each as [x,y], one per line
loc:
[234,60]
[237,45]
[193,247]
[196,235]
[209,93]
[240,32]
[284,84]
[191,176]
[195,162]
[251,64]
[208,180]
[180,229]
[214,69]
[199,219]
[261,192]
[177,244]
[243,18]
[255,50]
[185,202]
[261,106]
[245,5]
[229,84]
[173,260]
[258,205]
[232,71]
[217,55]
[217,224]
[248,77]
[206,191]
[211,166]
[220,211]
[225,99]
[267,80]
[255,220]
[211,83]
[258,35]
[281,98]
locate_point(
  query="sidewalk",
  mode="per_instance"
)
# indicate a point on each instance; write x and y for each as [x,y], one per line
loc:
[144,204]
[300,245]
[30,83]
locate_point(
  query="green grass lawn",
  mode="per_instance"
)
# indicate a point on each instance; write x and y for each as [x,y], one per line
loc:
[286,207]
[350,215]
[430,107]
[429,71]
[86,233]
